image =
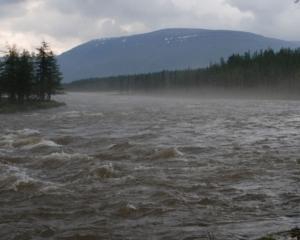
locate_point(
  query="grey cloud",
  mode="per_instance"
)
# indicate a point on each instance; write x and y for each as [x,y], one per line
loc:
[91,18]
[73,21]
[10,2]
[151,13]
[10,8]
[275,18]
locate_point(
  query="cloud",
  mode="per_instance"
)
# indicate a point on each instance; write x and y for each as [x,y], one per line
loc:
[276,18]
[66,23]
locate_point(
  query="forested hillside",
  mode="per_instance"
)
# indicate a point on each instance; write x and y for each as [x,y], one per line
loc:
[268,70]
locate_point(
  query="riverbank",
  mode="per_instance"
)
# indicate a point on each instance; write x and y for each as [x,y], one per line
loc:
[8,107]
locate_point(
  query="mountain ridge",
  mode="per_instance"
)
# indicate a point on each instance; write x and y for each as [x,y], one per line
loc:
[165,49]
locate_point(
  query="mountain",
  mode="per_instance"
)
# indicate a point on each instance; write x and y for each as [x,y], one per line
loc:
[168,49]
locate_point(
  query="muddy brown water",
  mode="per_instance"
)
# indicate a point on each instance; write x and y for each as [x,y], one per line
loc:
[109,166]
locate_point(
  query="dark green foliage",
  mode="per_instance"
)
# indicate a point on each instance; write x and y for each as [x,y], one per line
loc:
[1,80]
[267,70]
[24,76]
[9,73]
[295,233]
[267,238]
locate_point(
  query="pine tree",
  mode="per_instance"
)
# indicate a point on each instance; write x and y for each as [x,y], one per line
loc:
[48,74]
[9,74]
[42,70]
[54,78]
[1,80]
[25,76]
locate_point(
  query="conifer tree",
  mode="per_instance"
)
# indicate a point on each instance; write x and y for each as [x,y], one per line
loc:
[9,74]
[1,80]
[25,76]
[42,70]
[54,78]
[48,74]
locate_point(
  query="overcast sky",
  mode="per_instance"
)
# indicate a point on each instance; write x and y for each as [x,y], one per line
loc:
[67,23]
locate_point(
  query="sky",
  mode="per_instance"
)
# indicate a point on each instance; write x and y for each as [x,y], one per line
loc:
[67,23]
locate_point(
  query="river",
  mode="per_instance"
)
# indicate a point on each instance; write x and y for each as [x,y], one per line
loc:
[110,166]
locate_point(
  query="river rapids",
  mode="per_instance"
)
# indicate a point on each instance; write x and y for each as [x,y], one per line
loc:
[110,166]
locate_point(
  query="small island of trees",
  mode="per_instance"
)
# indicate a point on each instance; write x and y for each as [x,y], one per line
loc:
[29,78]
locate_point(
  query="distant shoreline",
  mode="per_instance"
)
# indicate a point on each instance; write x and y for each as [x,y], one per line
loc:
[209,93]
[7,107]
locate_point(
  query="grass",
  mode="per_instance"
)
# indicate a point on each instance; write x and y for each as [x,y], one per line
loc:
[8,107]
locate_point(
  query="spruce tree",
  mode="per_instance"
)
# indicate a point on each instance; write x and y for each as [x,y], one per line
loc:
[9,76]
[42,69]
[1,80]
[48,74]
[54,78]
[25,76]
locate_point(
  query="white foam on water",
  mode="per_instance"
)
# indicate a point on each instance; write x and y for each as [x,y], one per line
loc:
[131,206]
[16,178]
[28,132]
[7,140]
[167,153]
[104,171]
[142,167]
[42,143]
[10,137]
[32,115]
[72,114]
[66,156]
[97,114]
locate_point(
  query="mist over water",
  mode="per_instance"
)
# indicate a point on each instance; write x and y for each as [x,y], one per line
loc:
[109,166]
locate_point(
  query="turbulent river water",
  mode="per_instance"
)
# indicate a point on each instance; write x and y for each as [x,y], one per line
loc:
[109,166]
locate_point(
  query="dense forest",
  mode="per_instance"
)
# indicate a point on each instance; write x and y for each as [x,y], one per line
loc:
[267,70]
[28,76]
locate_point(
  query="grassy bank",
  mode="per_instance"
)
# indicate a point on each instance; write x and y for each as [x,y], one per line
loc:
[8,107]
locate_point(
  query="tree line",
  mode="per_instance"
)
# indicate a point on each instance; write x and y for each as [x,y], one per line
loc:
[266,69]
[26,76]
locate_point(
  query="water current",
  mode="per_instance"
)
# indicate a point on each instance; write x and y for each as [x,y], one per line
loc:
[110,166]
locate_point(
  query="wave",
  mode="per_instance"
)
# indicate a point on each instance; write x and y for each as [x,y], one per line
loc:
[61,161]
[28,132]
[120,146]
[166,153]
[65,156]
[129,210]
[23,142]
[17,179]
[64,140]
[42,143]
[58,159]
[105,171]
[72,114]
[14,138]
[194,150]
[127,150]
[94,114]
[78,114]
